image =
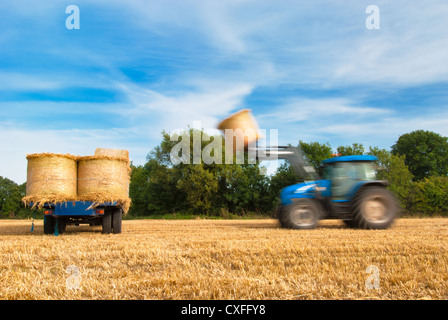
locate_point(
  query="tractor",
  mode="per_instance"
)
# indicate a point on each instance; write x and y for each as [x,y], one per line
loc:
[347,190]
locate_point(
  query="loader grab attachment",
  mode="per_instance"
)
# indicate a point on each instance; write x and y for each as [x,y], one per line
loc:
[294,155]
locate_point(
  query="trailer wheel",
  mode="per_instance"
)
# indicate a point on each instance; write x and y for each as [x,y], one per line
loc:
[374,208]
[117,216]
[302,214]
[107,222]
[48,225]
[62,224]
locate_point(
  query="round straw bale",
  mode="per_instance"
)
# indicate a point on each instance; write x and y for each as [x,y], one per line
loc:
[244,126]
[51,178]
[104,179]
[112,152]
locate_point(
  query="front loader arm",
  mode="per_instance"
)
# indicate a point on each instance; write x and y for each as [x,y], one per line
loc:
[294,155]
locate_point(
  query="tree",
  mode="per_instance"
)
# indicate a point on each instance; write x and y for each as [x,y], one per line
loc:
[426,153]
[138,190]
[194,185]
[162,192]
[10,197]
[316,152]
[394,170]
[199,185]
[430,196]
[354,149]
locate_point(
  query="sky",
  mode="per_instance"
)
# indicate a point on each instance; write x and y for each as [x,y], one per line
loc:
[310,69]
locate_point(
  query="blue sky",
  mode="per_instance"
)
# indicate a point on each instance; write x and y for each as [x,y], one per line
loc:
[310,69]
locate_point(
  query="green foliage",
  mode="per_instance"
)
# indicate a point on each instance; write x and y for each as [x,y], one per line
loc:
[197,186]
[354,149]
[162,188]
[138,190]
[426,153]
[393,169]
[430,196]
[316,152]
[11,195]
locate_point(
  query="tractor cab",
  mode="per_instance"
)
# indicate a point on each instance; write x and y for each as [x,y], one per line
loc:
[346,174]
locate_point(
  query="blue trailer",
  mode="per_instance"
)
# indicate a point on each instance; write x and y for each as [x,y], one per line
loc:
[58,216]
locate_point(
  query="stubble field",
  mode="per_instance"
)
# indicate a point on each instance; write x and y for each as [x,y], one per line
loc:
[224,259]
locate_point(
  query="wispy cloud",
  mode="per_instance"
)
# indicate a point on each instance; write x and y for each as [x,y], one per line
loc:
[301,110]
[179,109]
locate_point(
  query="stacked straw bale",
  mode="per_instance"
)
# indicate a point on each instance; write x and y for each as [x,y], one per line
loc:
[112,153]
[56,178]
[51,178]
[104,178]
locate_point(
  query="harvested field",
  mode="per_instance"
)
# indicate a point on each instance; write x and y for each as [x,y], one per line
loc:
[225,259]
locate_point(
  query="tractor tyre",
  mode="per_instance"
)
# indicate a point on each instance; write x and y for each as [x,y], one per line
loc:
[107,222]
[62,224]
[48,225]
[350,223]
[117,215]
[280,216]
[301,214]
[374,208]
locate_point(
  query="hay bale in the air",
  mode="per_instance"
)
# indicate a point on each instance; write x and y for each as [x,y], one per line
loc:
[51,178]
[104,179]
[246,122]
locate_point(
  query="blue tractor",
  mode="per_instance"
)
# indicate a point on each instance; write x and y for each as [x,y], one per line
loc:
[347,190]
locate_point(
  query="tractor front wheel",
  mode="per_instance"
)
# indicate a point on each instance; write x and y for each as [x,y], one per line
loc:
[302,214]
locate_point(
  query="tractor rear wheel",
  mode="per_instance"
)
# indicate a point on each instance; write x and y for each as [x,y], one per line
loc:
[374,208]
[302,214]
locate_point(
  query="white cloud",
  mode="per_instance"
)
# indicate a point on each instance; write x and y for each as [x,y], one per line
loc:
[410,48]
[304,109]
[207,104]
[386,127]
[342,121]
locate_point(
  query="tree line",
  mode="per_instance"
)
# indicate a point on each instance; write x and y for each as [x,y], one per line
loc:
[416,167]
[11,195]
